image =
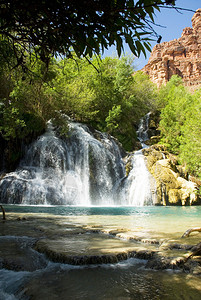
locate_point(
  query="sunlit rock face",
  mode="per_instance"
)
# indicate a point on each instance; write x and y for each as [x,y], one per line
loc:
[180,56]
[173,185]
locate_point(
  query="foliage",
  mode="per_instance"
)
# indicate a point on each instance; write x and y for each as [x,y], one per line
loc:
[180,124]
[113,118]
[11,123]
[163,95]
[173,115]
[111,100]
[190,148]
[25,97]
[85,27]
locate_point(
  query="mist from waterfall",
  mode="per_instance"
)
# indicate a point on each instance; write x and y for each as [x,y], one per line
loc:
[85,168]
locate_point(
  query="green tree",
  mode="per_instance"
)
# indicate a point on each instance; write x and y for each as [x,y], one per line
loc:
[174,114]
[27,102]
[190,147]
[180,123]
[112,100]
[113,118]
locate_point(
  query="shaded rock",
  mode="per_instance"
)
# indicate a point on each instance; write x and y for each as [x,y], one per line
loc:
[174,197]
[16,254]
[182,171]
[159,263]
[154,139]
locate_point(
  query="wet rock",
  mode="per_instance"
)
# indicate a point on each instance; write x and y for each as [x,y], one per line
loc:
[128,166]
[17,254]
[90,249]
[196,269]
[21,219]
[145,254]
[158,264]
[180,247]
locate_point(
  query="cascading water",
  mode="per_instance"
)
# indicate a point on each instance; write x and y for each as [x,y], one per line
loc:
[85,168]
[77,170]
[137,186]
[142,132]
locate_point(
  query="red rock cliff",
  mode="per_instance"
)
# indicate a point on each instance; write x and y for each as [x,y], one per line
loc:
[181,56]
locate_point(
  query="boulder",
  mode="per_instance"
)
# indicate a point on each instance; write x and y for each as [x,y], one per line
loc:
[172,186]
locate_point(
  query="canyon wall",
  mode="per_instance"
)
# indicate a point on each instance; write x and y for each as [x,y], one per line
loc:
[180,56]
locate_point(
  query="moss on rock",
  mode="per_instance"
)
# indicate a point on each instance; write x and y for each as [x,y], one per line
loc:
[172,185]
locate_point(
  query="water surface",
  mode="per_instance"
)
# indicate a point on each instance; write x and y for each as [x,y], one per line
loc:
[128,279]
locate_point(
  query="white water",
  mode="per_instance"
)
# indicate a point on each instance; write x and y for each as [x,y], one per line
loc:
[138,186]
[138,182]
[84,169]
[142,132]
[10,281]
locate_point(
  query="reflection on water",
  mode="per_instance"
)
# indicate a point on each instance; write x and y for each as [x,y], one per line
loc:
[129,279]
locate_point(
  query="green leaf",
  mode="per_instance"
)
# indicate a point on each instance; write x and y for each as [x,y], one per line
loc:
[132,47]
[119,45]
[147,46]
[140,48]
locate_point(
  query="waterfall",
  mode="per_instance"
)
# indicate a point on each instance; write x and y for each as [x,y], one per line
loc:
[142,132]
[137,189]
[85,168]
[77,170]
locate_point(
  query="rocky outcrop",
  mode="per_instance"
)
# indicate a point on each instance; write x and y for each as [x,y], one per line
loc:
[180,56]
[153,132]
[172,185]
